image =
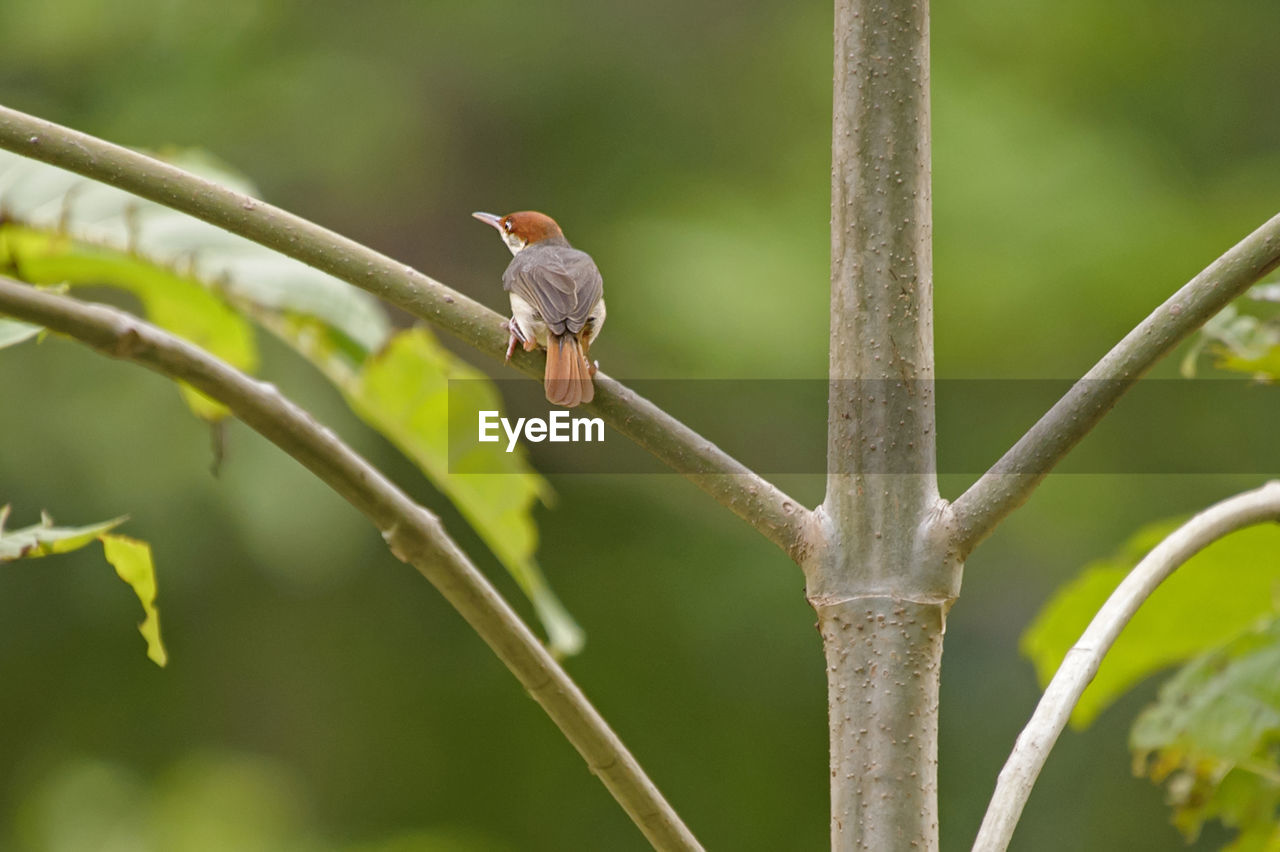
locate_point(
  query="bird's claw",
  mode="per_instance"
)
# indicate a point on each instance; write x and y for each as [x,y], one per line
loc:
[513,334]
[593,368]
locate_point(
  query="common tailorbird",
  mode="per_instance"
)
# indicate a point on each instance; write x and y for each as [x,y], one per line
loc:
[557,301]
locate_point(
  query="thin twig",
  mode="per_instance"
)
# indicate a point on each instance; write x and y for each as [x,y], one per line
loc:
[1081,662]
[414,534]
[1012,479]
[778,517]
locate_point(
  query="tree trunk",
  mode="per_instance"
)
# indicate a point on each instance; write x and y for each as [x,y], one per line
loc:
[885,577]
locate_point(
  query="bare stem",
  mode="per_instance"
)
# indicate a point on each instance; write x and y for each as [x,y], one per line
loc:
[1081,662]
[883,583]
[1012,479]
[778,517]
[414,534]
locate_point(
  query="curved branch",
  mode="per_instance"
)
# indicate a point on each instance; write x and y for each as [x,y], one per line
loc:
[1012,479]
[778,517]
[414,534]
[1082,660]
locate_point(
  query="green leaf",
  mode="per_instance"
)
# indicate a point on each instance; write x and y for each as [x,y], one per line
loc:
[13,332]
[403,392]
[1212,737]
[44,539]
[174,302]
[132,560]
[1241,342]
[55,202]
[1262,365]
[1206,601]
[60,227]
[199,282]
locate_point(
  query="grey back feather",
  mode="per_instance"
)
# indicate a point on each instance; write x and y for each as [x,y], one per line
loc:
[560,282]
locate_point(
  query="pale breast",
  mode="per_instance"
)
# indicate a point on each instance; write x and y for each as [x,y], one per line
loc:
[528,319]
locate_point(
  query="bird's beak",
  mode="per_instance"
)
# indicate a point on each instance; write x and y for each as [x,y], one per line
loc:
[489,219]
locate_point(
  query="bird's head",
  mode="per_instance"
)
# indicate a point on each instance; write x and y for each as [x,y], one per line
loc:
[522,229]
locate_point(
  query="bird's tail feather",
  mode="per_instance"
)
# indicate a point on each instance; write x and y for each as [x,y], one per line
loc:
[568,378]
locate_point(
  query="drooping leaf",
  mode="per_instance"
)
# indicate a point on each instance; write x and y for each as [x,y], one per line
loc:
[1208,600]
[403,392]
[132,560]
[200,282]
[1213,738]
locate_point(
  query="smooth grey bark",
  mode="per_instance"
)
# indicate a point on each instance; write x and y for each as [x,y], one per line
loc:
[884,578]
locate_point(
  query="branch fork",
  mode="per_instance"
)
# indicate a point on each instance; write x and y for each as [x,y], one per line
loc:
[882,555]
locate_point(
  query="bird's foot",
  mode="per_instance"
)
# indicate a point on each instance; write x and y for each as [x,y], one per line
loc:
[513,335]
[593,368]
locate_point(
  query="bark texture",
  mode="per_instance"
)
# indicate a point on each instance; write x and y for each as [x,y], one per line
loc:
[883,580]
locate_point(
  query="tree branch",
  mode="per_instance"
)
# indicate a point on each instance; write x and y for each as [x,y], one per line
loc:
[414,534]
[778,517]
[1081,662]
[1012,479]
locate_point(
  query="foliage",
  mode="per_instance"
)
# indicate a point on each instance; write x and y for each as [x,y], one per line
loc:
[1240,340]
[205,285]
[131,559]
[404,392]
[1206,601]
[44,539]
[1213,737]
[1088,157]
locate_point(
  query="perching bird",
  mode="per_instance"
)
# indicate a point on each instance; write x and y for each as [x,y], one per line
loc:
[557,301]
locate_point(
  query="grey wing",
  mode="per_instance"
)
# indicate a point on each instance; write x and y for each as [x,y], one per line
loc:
[562,283]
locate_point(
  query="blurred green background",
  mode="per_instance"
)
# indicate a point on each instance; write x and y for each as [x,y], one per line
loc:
[1088,158]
